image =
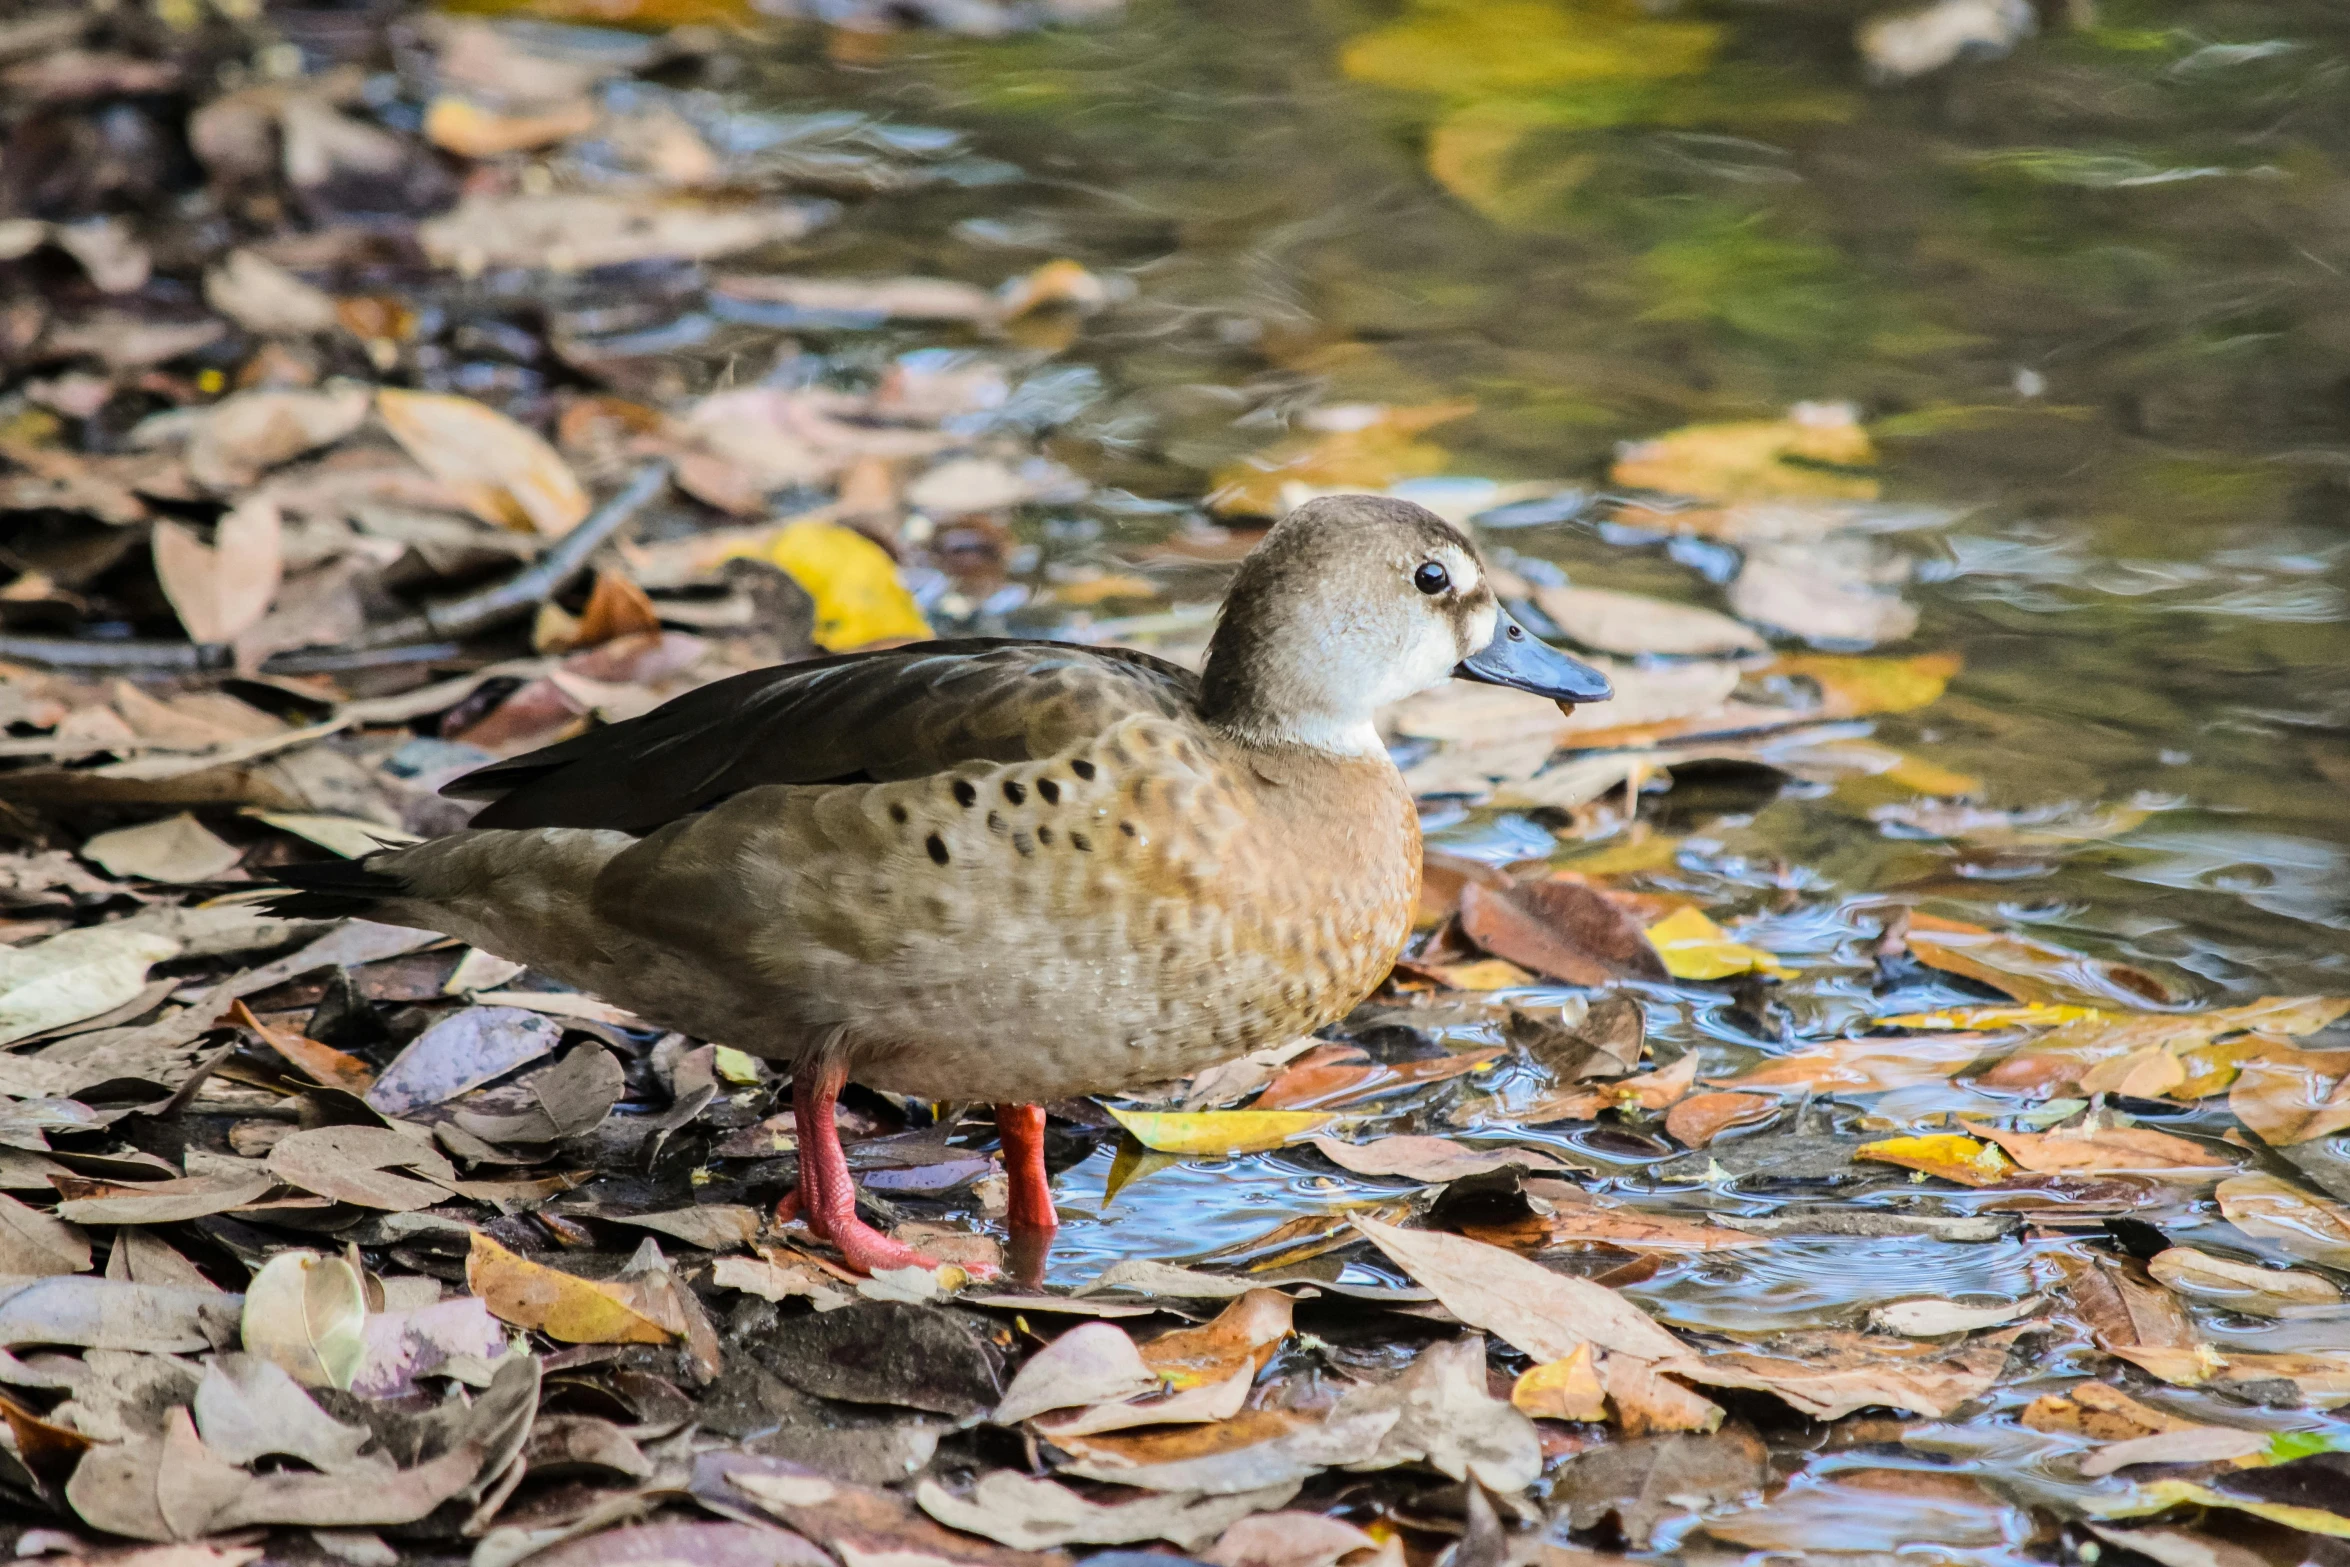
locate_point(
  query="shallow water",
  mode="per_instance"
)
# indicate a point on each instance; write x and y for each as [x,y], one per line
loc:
[2090,300]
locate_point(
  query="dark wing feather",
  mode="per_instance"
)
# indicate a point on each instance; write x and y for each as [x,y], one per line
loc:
[898,713]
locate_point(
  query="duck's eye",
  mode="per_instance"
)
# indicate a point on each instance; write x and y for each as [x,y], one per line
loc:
[1431,578]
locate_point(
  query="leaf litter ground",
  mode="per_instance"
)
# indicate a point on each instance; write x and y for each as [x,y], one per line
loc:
[1641,1211]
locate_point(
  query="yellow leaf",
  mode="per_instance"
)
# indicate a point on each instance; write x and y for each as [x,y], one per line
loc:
[2161,1495]
[1484,974]
[1862,687]
[1355,448]
[1759,459]
[1568,1389]
[1476,154]
[467,129]
[1954,1158]
[1218,1131]
[1470,50]
[560,1305]
[2036,1014]
[734,1066]
[1694,947]
[859,599]
[506,474]
[1920,776]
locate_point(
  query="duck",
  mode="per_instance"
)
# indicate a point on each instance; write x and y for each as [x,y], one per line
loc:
[993,870]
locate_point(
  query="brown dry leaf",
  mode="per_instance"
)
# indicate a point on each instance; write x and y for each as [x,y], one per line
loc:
[178,849]
[2293,1096]
[1253,1450]
[1795,457]
[1287,1539]
[354,1164]
[158,1202]
[1331,1075]
[1092,1363]
[1650,1091]
[2123,1308]
[320,1063]
[2301,1222]
[2030,969]
[616,608]
[1036,1514]
[1699,1119]
[1579,1221]
[2108,1150]
[1828,1375]
[1430,1159]
[2099,1412]
[1244,1335]
[506,474]
[2241,1286]
[1568,1389]
[461,1052]
[38,1245]
[561,1305]
[221,589]
[1564,929]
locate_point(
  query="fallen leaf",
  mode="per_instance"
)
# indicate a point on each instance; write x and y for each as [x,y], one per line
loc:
[307,1315]
[575,230]
[2270,1209]
[866,299]
[2102,1413]
[1035,1514]
[1642,1482]
[248,1406]
[1872,1510]
[2292,1096]
[572,1098]
[2124,1309]
[1256,1449]
[465,128]
[2179,1547]
[1362,446]
[1832,592]
[712,1227]
[1092,1363]
[2129,1045]
[355,1164]
[1545,1314]
[320,1063]
[75,974]
[1865,1066]
[506,474]
[1287,1539]
[1333,1075]
[231,443]
[461,1052]
[1828,1375]
[1931,1318]
[2029,969]
[1947,1154]
[1243,1335]
[1564,929]
[1568,1389]
[2107,1150]
[159,1202]
[404,1345]
[1632,624]
[859,597]
[36,1245]
[265,299]
[1795,457]
[1217,1132]
[178,849]
[1430,1159]
[97,1313]
[560,1305]
[1694,947]
[1448,1419]
[2190,1445]
[1697,1120]
[2241,1286]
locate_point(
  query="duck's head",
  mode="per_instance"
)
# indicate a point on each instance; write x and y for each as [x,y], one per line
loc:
[1356,601]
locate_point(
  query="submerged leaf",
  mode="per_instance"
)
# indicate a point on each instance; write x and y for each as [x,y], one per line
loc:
[1215,1132]
[1694,947]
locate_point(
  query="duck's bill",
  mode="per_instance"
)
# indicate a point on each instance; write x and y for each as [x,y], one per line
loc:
[1519,659]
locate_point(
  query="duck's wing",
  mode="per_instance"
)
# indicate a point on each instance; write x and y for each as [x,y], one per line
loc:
[858,717]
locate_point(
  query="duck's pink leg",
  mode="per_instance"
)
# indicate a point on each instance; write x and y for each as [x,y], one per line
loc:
[802,1201]
[1022,1129]
[828,1196]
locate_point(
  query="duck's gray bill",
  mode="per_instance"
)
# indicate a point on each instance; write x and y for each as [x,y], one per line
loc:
[1524,662]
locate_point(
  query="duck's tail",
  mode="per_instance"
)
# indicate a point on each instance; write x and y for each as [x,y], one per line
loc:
[334,889]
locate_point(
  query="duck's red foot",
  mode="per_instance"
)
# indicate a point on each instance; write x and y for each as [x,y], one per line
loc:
[867,1250]
[1021,1127]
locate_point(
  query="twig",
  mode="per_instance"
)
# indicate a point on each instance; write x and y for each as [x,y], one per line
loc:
[418,638]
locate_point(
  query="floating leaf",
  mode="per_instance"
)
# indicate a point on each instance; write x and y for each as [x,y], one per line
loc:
[2241,1286]
[561,1305]
[506,474]
[1214,1132]
[1694,947]
[1796,457]
[1852,687]
[2108,1150]
[1356,447]
[1565,929]
[2306,1225]
[1954,1158]
[2293,1096]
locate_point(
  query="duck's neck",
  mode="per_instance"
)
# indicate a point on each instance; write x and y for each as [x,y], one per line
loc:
[1255,708]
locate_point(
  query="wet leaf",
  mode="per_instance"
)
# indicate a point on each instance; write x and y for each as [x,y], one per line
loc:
[2125,1310]
[1563,929]
[355,1164]
[307,1315]
[1830,1374]
[465,128]
[1697,1120]
[561,1305]
[506,474]
[2102,1413]
[2306,1225]
[1632,624]
[2241,1286]
[1930,1318]
[2029,969]
[1798,457]
[1838,592]
[712,1227]
[220,590]
[74,975]
[1865,1066]
[1033,1515]
[1431,1159]
[1545,1314]
[1331,1076]
[177,849]
[462,1052]
[2293,1096]
[1947,1154]
[2159,1496]
[1450,1420]
[2108,1150]
[1243,1335]
[1568,1389]
[1694,947]
[1287,1539]
[1362,446]
[1218,1132]
[1865,1510]
[1254,1450]
[1642,1482]
[2190,1445]
[575,230]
